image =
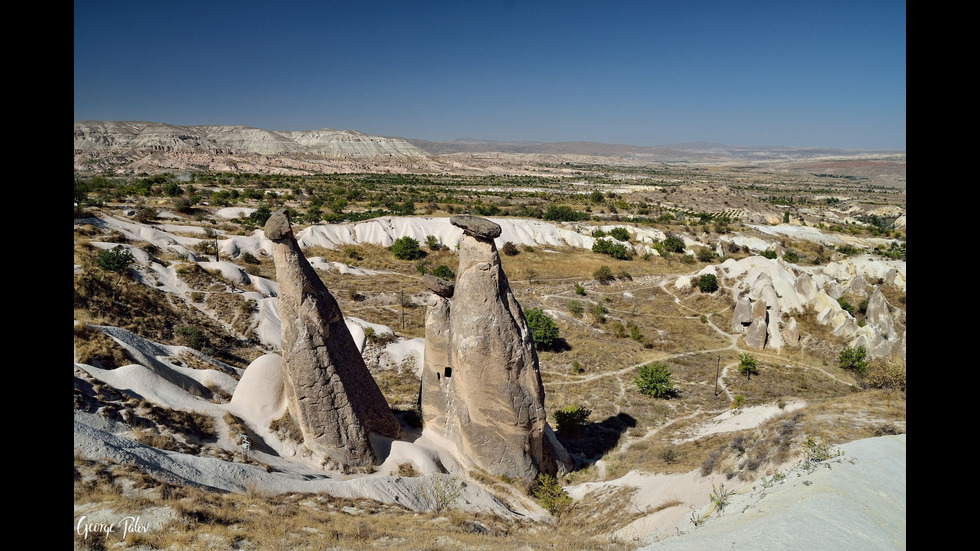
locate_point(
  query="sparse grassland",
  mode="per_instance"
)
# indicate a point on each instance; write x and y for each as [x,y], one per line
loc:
[687,330]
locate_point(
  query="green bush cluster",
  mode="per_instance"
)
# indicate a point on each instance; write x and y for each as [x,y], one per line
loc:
[544,332]
[708,283]
[654,379]
[619,233]
[445,272]
[613,249]
[854,358]
[406,248]
[563,213]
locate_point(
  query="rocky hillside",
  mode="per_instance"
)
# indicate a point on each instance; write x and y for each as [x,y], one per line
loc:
[134,146]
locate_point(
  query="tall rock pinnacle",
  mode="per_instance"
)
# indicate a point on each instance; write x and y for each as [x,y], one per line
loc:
[330,391]
[481,390]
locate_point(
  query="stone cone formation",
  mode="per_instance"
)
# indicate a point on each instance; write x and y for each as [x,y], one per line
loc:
[329,390]
[481,394]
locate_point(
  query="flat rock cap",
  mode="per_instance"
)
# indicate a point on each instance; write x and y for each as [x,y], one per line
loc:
[476,226]
[438,285]
[277,227]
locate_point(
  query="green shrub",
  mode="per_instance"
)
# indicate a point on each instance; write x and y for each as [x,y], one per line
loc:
[854,358]
[406,248]
[846,305]
[432,242]
[708,283]
[769,253]
[603,274]
[249,258]
[619,233]
[570,419]
[579,290]
[618,329]
[654,379]
[544,332]
[575,308]
[673,243]
[146,214]
[116,260]
[599,312]
[563,213]
[193,337]
[613,249]
[444,272]
[548,491]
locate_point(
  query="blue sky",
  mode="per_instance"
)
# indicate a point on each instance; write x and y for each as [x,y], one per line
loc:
[813,74]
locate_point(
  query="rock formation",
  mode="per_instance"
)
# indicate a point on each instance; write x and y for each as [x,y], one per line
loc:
[482,396]
[329,390]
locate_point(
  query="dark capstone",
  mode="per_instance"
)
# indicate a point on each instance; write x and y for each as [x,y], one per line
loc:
[476,226]
[438,285]
[277,227]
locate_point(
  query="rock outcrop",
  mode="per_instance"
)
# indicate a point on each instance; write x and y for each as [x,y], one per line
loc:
[482,396]
[329,390]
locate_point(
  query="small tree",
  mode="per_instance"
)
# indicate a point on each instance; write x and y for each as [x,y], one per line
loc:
[708,283]
[570,419]
[655,380]
[432,242]
[406,248]
[854,358]
[748,365]
[579,290]
[551,495]
[544,332]
[116,260]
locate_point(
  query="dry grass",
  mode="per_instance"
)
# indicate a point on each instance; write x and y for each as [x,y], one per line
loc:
[95,348]
[286,427]
[313,521]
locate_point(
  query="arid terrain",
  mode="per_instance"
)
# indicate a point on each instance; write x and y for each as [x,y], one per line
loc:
[769,283]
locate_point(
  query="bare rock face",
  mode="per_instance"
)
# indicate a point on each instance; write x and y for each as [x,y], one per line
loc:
[743,315]
[329,391]
[482,395]
[879,315]
[475,226]
[438,285]
[791,333]
[757,333]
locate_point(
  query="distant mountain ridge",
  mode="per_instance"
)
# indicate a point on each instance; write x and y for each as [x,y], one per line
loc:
[103,136]
[141,146]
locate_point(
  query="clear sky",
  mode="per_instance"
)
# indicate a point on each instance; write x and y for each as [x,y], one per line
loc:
[822,73]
